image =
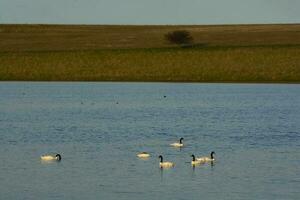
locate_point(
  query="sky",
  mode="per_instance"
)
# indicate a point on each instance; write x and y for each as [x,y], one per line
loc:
[149,11]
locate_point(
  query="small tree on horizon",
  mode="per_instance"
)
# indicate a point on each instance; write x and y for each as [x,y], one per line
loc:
[179,37]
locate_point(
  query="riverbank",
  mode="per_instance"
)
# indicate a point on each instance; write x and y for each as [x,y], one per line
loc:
[261,58]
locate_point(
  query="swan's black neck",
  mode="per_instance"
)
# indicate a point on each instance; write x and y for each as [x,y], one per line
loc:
[212,155]
[161,158]
[58,156]
[193,156]
[180,141]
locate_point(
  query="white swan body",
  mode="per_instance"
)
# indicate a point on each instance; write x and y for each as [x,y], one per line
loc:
[163,164]
[57,157]
[166,164]
[143,155]
[178,144]
[207,159]
[196,162]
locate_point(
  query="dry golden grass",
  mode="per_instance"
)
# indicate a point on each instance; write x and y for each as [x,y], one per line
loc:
[234,64]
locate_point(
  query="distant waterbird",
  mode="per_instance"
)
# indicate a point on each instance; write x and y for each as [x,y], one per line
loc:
[176,144]
[195,161]
[57,157]
[163,164]
[143,155]
[207,159]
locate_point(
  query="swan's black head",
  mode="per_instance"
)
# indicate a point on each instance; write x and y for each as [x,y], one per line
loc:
[161,158]
[193,156]
[180,141]
[58,157]
[212,155]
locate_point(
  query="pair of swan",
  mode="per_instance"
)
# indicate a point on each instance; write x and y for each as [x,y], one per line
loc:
[147,155]
[195,161]
[57,157]
[202,160]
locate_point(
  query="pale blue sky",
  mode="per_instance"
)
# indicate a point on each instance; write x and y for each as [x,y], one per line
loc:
[149,11]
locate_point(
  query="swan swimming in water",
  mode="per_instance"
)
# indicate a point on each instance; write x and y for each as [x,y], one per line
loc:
[163,164]
[195,161]
[176,144]
[143,155]
[57,157]
[207,159]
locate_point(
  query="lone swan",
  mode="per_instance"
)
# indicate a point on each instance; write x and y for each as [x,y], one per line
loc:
[57,157]
[143,155]
[195,161]
[176,144]
[207,159]
[163,164]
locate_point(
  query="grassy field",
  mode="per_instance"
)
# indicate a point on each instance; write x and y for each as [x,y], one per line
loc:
[232,53]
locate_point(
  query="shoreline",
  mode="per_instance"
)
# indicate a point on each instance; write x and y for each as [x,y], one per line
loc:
[159,82]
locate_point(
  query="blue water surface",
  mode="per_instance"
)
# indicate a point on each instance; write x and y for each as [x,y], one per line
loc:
[98,128]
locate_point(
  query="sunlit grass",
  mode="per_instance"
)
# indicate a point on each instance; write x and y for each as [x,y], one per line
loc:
[208,64]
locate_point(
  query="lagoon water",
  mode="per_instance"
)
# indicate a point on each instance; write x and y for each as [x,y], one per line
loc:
[99,127]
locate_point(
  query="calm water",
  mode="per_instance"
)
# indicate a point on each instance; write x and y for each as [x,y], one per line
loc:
[99,127]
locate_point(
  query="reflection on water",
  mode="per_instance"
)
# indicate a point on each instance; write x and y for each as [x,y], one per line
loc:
[100,127]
